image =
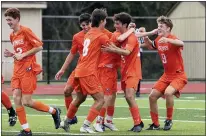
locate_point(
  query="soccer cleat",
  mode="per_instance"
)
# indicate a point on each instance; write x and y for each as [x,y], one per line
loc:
[168,125]
[153,127]
[12,116]
[137,128]
[111,126]
[98,127]
[12,120]
[25,133]
[73,121]
[57,118]
[86,129]
[65,124]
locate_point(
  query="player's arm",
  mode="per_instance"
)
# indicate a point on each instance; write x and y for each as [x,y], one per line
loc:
[68,60]
[175,42]
[34,41]
[111,47]
[124,36]
[148,44]
[143,34]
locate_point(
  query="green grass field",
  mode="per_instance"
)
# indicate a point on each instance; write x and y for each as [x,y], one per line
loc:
[188,118]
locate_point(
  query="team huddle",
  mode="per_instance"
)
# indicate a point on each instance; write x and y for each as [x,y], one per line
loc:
[102,53]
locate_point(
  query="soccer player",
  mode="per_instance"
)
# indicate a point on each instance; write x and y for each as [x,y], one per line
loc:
[130,66]
[174,77]
[107,72]
[7,104]
[23,82]
[77,46]
[86,72]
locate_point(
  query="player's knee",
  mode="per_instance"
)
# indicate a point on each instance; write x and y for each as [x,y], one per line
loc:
[129,97]
[101,101]
[168,94]
[27,102]
[68,90]
[152,97]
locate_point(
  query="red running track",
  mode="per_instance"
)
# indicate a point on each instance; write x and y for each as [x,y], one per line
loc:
[191,87]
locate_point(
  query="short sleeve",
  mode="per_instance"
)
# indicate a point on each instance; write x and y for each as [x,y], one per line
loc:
[131,43]
[74,48]
[32,38]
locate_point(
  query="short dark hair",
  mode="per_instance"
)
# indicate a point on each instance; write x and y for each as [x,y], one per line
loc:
[12,12]
[97,16]
[165,20]
[123,17]
[85,17]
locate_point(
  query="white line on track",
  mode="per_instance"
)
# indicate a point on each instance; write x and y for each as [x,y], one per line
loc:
[38,115]
[60,105]
[47,133]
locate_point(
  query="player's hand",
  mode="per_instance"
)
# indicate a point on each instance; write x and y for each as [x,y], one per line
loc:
[163,40]
[155,31]
[7,53]
[18,56]
[59,74]
[132,25]
[109,48]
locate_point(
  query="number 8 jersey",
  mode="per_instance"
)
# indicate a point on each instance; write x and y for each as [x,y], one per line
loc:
[23,41]
[170,55]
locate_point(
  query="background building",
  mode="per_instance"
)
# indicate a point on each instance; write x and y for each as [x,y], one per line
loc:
[31,16]
[189,25]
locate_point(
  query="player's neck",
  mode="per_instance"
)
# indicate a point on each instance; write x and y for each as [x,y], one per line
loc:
[123,30]
[166,34]
[17,28]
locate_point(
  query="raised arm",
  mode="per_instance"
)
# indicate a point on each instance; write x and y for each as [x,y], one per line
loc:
[175,42]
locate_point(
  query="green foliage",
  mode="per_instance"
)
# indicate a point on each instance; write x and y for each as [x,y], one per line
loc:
[64,28]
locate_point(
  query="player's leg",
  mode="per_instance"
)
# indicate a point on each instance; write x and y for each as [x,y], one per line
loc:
[20,110]
[153,97]
[93,87]
[98,126]
[131,86]
[73,108]
[173,89]
[70,86]
[11,112]
[110,106]
[28,85]
[93,112]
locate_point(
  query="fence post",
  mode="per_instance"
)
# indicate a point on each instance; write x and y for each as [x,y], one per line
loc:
[48,63]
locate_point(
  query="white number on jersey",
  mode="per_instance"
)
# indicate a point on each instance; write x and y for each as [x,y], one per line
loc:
[164,58]
[86,45]
[19,50]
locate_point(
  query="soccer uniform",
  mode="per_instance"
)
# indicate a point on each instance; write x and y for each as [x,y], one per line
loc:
[130,65]
[172,61]
[25,70]
[86,70]
[107,68]
[77,46]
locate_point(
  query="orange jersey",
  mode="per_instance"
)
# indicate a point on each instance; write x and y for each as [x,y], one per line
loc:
[93,41]
[23,41]
[110,59]
[131,65]
[170,55]
[77,43]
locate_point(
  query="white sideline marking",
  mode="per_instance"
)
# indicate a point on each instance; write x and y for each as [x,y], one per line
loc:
[47,133]
[60,105]
[147,99]
[37,115]
[192,99]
